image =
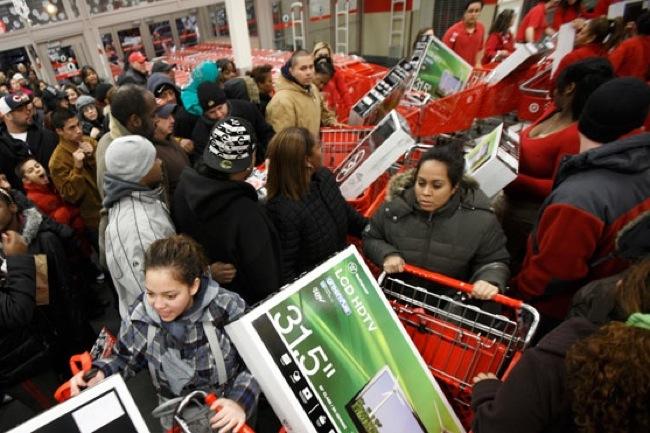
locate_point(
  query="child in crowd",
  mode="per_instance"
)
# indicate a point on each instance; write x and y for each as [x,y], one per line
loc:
[40,190]
[173,330]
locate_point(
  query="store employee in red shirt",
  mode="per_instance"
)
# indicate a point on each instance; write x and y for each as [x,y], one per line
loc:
[534,25]
[466,36]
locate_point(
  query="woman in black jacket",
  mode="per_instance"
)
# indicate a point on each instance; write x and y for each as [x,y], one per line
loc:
[305,203]
[25,369]
[436,219]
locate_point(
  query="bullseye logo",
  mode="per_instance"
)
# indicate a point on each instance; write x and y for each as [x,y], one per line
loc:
[534,107]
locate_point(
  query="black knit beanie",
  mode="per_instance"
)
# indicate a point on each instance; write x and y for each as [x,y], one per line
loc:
[210,95]
[615,109]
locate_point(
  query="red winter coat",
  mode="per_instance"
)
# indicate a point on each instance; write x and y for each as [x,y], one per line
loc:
[337,96]
[48,201]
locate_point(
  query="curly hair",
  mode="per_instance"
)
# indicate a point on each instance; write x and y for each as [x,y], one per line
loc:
[633,293]
[608,377]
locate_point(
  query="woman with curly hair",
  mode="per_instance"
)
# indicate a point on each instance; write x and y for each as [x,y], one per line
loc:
[577,362]
[608,378]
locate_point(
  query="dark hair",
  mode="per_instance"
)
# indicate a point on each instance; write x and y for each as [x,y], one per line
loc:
[296,55]
[73,87]
[225,63]
[60,117]
[85,71]
[288,174]
[324,66]
[564,4]
[452,155]
[419,34]
[128,100]
[179,252]
[7,197]
[587,75]
[607,32]
[19,167]
[643,23]
[502,23]
[469,2]
[608,378]
[259,73]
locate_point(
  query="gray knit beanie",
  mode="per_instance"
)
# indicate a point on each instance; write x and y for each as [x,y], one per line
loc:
[130,158]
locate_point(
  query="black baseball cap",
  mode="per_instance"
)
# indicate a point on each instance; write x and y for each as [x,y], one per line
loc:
[231,145]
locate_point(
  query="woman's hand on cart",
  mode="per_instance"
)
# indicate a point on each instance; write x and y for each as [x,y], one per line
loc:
[85,379]
[230,416]
[484,376]
[483,290]
[394,264]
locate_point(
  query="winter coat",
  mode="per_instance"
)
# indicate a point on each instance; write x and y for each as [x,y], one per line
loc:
[40,144]
[184,341]
[137,217]
[206,71]
[236,108]
[184,121]
[295,105]
[315,227]
[174,161]
[87,126]
[226,219]
[77,186]
[22,349]
[595,194]
[534,398]
[462,239]
[131,76]
[48,201]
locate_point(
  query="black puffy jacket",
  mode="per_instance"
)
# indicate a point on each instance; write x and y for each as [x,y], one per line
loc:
[226,219]
[315,227]
[22,350]
[462,239]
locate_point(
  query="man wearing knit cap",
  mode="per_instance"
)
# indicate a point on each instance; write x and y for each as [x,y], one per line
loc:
[215,205]
[595,194]
[216,107]
[137,215]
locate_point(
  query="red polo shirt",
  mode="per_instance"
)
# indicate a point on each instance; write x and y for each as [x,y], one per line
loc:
[563,16]
[467,45]
[535,18]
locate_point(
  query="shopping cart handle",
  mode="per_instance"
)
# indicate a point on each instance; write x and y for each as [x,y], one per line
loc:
[459,285]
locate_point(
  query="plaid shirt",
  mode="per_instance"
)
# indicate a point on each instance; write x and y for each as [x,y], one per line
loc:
[131,353]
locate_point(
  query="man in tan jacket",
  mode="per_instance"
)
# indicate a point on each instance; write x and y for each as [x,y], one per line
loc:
[73,168]
[297,101]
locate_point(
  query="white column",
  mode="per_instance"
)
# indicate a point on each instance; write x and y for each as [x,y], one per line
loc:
[237,25]
[264,17]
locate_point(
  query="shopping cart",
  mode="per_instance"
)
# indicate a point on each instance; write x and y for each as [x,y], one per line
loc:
[456,339]
[535,95]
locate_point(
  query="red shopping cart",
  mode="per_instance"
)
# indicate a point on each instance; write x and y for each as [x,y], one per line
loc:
[456,339]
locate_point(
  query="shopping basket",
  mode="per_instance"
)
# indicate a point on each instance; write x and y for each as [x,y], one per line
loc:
[456,339]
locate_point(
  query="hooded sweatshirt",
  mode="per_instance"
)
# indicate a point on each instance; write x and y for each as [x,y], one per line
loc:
[296,105]
[596,193]
[137,216]
[226,219]
[179,358]
[206,71]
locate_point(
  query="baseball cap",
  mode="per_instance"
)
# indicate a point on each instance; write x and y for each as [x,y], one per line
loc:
[161,66]
[18,76]
[137,57]
[165,111]
[230,146]
[10,102]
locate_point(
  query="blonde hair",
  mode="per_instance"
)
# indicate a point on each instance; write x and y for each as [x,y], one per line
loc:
[319,46]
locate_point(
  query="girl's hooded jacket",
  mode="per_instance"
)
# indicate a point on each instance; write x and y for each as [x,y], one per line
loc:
[206,71]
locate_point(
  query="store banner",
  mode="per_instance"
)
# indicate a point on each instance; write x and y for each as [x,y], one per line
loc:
[389,140]
[332,357]
[441,71]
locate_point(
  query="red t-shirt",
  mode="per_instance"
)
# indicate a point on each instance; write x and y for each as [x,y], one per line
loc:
[593,49]
[539,158]
[535,18]
[563,16]
[632,58]
[467,45]
[602,7]
[498,42]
